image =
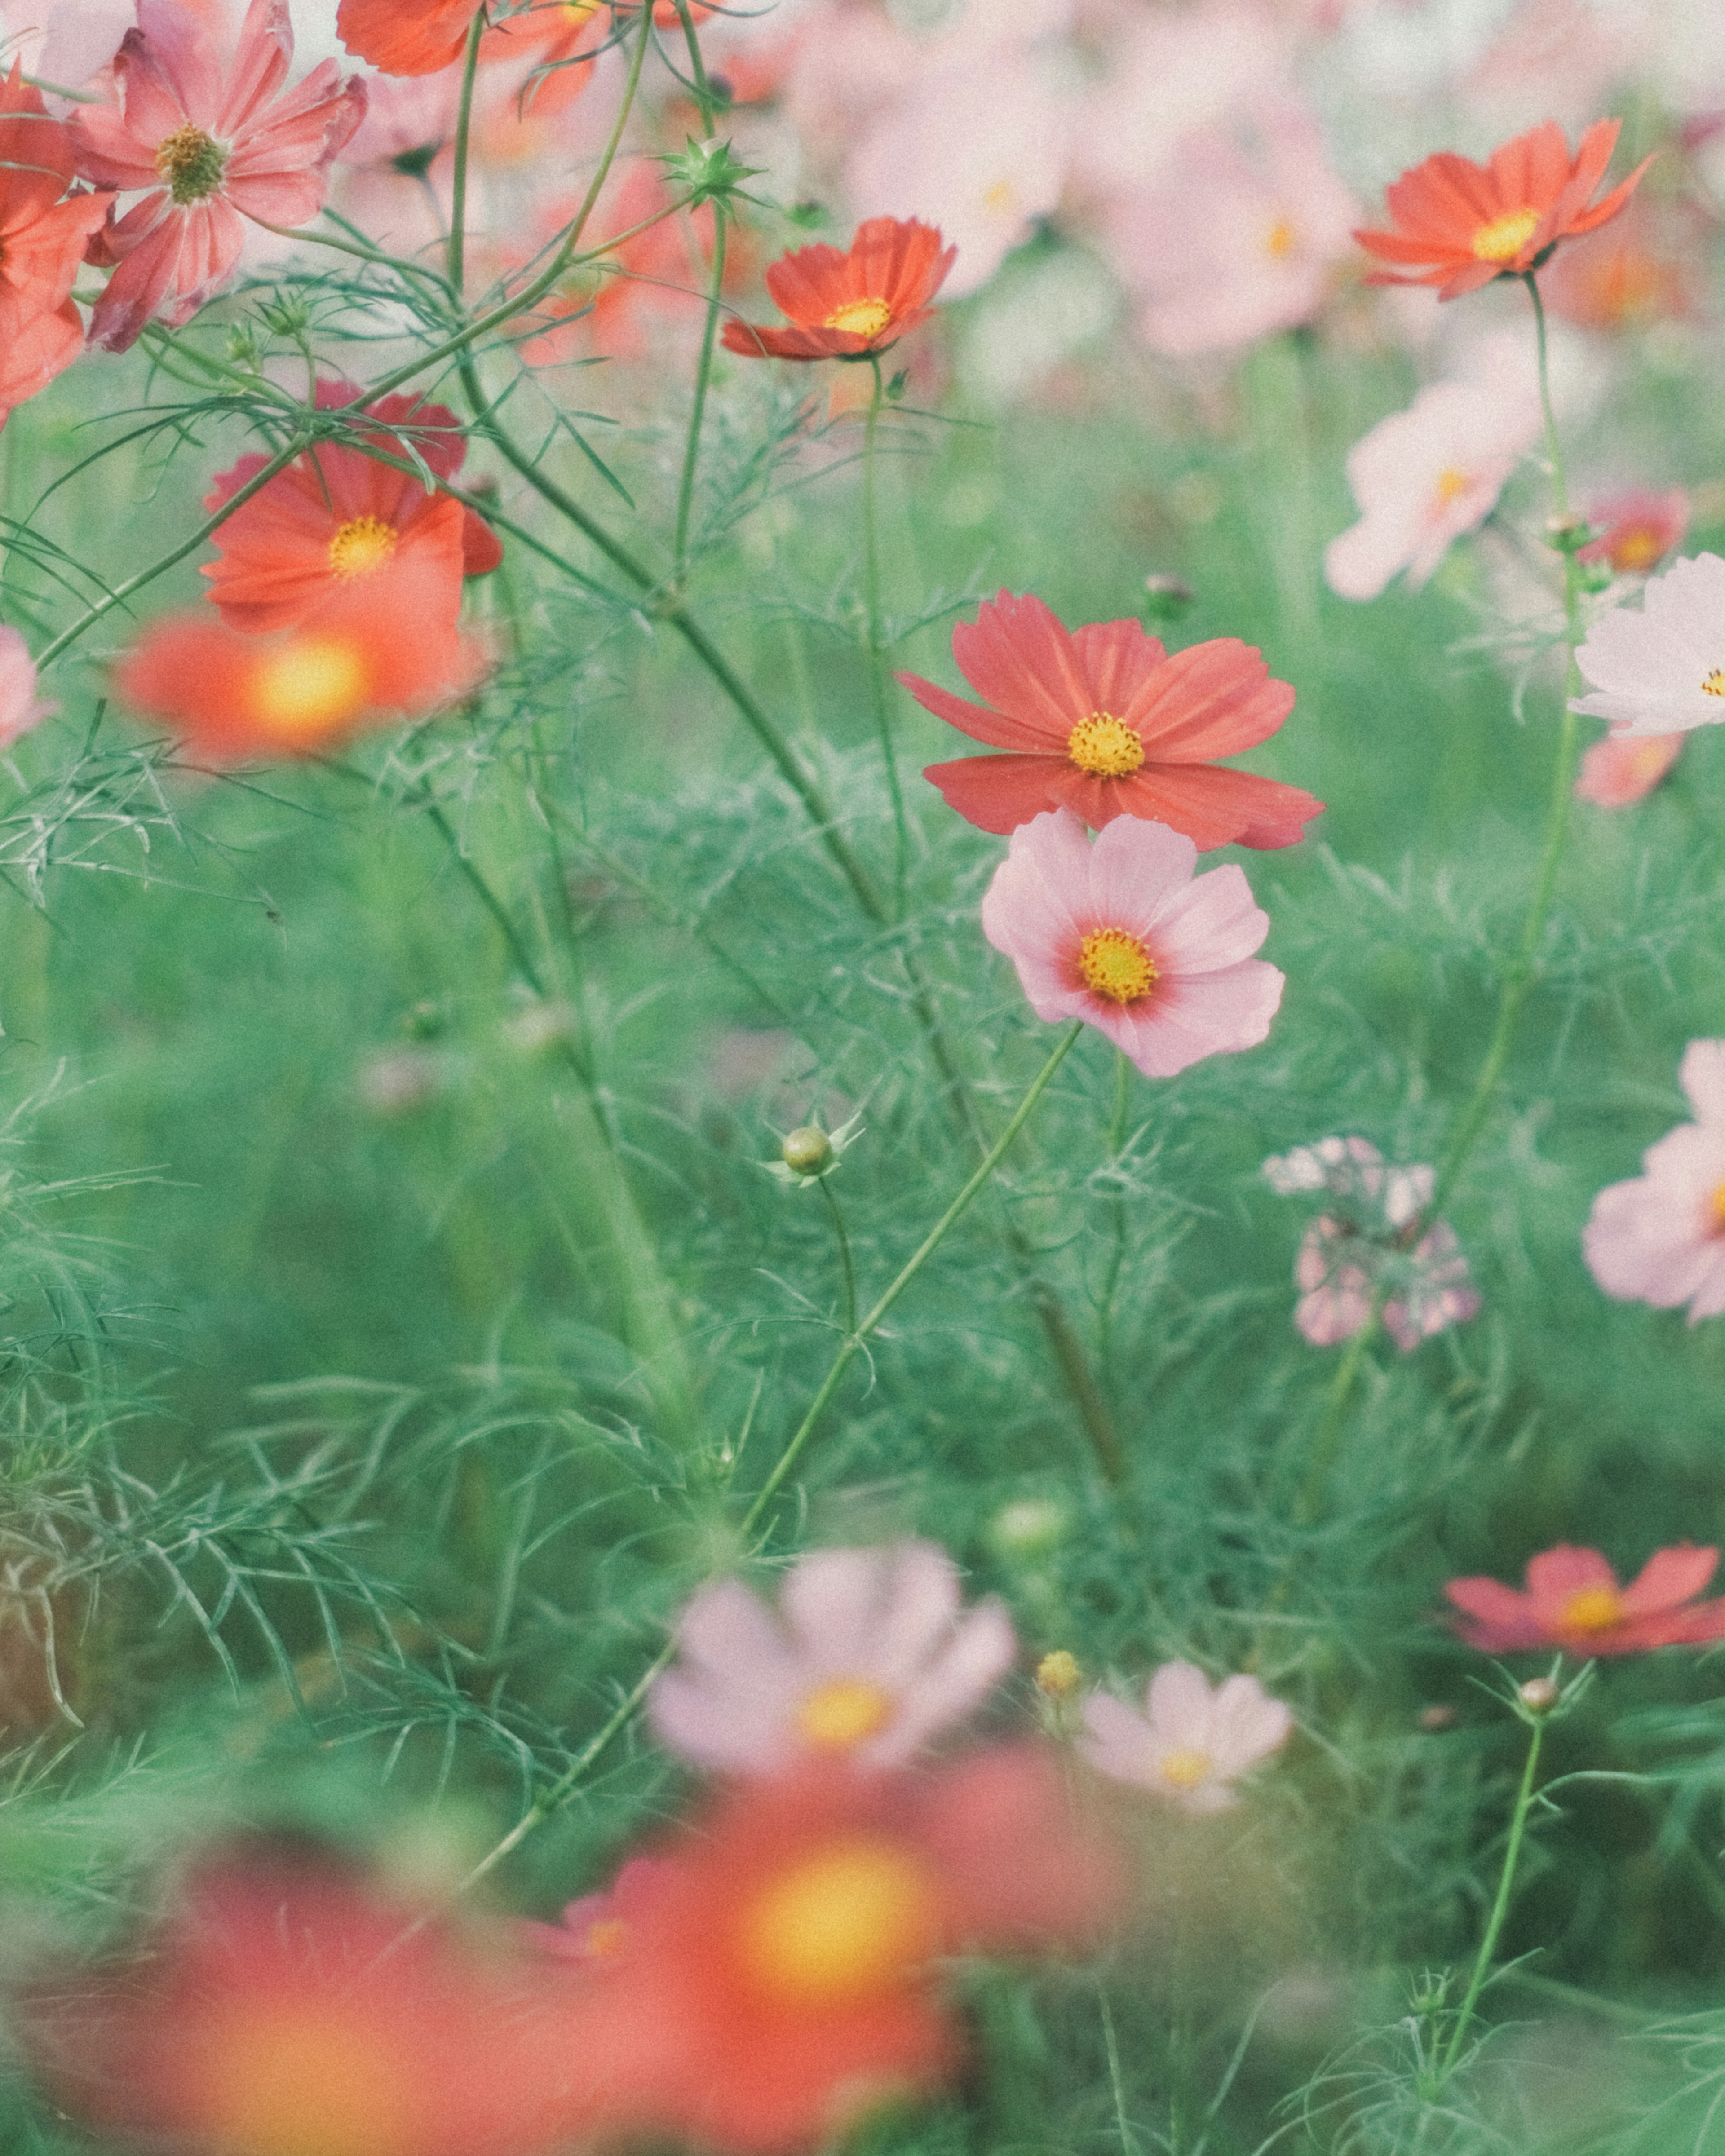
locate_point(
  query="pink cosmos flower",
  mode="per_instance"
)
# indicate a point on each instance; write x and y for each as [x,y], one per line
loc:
[20,708]
[1660,670]
[1638,528]
[870,1654]
[1660,1239]
[596,1927]
[1122,934]
[1574,1601]
[212,146]
[1193,1741]
[1623,769]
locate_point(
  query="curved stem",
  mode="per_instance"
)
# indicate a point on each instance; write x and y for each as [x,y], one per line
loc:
[1324,1444]
[697,410]
[1445,2063]
[879,695]
[847,1270]
[464,129]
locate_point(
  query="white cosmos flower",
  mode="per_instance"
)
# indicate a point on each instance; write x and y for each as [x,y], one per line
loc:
[1661,668]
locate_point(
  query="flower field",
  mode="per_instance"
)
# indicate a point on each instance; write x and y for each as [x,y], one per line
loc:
[862,1066]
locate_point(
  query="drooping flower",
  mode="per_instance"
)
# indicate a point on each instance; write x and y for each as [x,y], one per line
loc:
[849,305]
[231,696]
[337,519]
[41,242]
[1638,528]
[1661,1238]
[1661,668]
[1194,1740]
[20,707]
[870,1656]
[1101,721]
[1625,768]
[1457,225]
[1573,1601]
[1122,934]
[213,145]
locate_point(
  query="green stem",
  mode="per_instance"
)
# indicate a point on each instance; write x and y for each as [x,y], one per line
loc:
[1445,2063]
[847,1270]
[703,373]
[464,128]
[879,694]
[1324,1444]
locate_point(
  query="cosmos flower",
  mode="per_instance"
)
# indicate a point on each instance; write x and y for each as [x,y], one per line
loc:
[1661,1238]
[337,519]
[870,1656]
[1573,1601]
[1122,934]
[595,1927]
[1624,768]
[1638,527]
[213,145]
[1194,1740]
[1661,668]
[1101,721]
[1457,225]
[20,707]
[406,37]
[849,305]
[41,242]
[561,37]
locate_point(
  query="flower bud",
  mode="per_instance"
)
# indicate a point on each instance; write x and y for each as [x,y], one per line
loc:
[1436,1717]
[1568,534]
[1028,1527]
[1538,1695]
[1058,1675]
[808,1151]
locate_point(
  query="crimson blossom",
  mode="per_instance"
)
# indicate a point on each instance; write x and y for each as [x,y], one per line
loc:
[853,305]
[1573,1601]
[43,239]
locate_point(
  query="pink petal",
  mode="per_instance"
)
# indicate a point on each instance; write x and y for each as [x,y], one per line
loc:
[1556,1575]
[1669,1577]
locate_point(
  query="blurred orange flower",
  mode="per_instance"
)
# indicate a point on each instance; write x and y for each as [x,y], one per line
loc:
[42,244]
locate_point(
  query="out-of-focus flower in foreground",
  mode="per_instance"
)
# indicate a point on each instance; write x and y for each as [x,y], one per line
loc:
[1101,721]
[1660,1237]
[870,1656]
[1573,1601]
[20,707]
[1638,528]
[1192,1742]
[851,305]
[1457,225]
[1661,668]
[596,1926]
[212,144]
[406,37]
[1122,934]
[42,244]
[231,696]
[1624,768]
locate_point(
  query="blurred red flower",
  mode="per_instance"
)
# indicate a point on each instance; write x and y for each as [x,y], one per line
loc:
[1101,721]
[1638,528]
[1573,1601]
[336,519]
[418,37]
[42,244]
[1457,225]
[848,306]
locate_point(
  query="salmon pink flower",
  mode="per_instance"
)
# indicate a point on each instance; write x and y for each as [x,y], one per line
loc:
[1660,670]
[853,305]
[1122,934]
[1192,1742]
[20,708]
[1638,527]
[594,1928]
[1660,1239]
[406,37]
[1457,225]
[42,244]
[337,519]
[562,38]
[1573,1601]
[1625,768]
[1101,721]
[212,147]
[870,1656]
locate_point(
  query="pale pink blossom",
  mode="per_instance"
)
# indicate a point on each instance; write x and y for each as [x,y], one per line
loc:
[1626,768]
[1192,1742]
[1241,237]
[1122,934]
[870,1653]
[20,707]
[1659,669]
[1660,1239]
[214,146]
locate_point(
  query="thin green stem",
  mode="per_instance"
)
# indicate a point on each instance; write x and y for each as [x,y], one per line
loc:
[1554,446]
[697,410]
[1445,2063]
[697,69]
[879,695]
[847,1270]
[1328,1438]
[464,130]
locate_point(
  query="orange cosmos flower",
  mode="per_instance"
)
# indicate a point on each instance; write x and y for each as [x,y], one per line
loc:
[1458,224]
[419,37]
[42,244]
[350,664]
[853,305]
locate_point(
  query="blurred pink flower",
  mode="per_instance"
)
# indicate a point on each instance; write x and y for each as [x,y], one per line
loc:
[1574,1601]
[1639,527]
[20,708]
[1624,768]
[1660,1239]
[870,1654]
[1239,238]
[1192,1742]
[1660,670]
[598,1927]
[1122,934]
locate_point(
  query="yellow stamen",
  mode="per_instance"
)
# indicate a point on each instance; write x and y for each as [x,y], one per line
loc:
[1719,1210]
[1452,483]
[191,164]
[1714,685]
[305,2083]
[1186,1769]
[360,545]
[1505,237]
[307,687]
[1593,1609]
[606,1938]
[862,318]
[1116,966]
[1280,241]
[843,1712]
[1637,548]
[1104,746]
[850,1920]
[1001,197]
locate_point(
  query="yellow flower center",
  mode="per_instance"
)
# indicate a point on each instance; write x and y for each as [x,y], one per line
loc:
[191,164]
[1280,241]
[1593,1609]
[1186,1768]
[862,318]
[1505,237]
[1116,965]
[305,2082]
[1001,197]
[852,1921]
[1452,483]
[1714,685]
[1718,1206]
[606,1938]
[1637,548]
[309,685]
[1104,746]
[843,1712]
[360,545]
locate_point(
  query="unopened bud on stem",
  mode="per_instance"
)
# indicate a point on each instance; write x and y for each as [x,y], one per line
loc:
[1538,1695]
[808,1151]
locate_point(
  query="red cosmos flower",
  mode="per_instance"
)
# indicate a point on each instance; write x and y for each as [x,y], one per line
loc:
[776,1978]
[336,518]
[1573,1601]
[42,244]
[213,145]
[350,664]
[1458,224]
[1102,720]
[418,37]
[847,306]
